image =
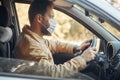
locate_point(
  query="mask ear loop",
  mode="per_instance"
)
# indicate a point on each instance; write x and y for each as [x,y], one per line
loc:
[44,26]
[42,23]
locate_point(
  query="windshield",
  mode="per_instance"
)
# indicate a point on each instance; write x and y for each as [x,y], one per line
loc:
[105,24]
[115,3]
[110,28]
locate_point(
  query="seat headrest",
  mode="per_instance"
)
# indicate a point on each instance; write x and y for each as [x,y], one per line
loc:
[3,16]
[5,34]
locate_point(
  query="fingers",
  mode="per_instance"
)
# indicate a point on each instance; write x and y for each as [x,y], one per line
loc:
[89,54]
[83,46]
[93,53]
[92,56]
[94,48]
[88,41]
[87,44]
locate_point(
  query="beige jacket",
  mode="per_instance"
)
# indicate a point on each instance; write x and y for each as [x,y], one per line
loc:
[31,46]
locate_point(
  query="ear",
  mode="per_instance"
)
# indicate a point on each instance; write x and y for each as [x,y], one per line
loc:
[38,18]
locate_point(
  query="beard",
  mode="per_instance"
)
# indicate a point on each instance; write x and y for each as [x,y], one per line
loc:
[44,31]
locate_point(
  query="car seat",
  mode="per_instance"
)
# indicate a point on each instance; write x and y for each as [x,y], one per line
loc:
[5,33]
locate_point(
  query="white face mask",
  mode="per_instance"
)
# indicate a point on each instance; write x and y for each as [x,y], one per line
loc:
[52,26]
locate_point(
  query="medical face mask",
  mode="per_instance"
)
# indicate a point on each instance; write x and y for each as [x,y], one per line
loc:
[52,26]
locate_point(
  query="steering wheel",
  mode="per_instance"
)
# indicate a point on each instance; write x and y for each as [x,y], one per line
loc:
[94,42]
[92,66]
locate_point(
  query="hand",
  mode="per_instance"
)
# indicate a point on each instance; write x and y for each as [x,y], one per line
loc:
[84,45]
[89,54]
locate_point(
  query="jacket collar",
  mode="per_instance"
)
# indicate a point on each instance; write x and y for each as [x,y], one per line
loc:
[26,30]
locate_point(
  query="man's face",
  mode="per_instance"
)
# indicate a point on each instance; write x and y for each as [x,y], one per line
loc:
[45,21]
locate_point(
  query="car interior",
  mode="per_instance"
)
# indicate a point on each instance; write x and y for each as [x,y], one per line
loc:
[6,32]
[6,42]
[105,66]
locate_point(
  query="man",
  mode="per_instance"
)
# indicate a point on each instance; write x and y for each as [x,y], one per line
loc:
[32,46]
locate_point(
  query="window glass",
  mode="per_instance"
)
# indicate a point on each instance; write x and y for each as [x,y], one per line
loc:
[69,29]
[22,12]
[38,71]
[111,29]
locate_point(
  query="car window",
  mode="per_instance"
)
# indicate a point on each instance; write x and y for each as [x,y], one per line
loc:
[13,67]
[22,14]
[67,28]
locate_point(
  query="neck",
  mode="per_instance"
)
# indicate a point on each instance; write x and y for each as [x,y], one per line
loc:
[36,29]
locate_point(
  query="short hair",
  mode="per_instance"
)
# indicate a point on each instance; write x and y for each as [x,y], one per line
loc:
[39,7]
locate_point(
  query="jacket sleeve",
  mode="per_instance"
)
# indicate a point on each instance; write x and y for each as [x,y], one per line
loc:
[40,55]
[45,68]
[62,70]
[60,47]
